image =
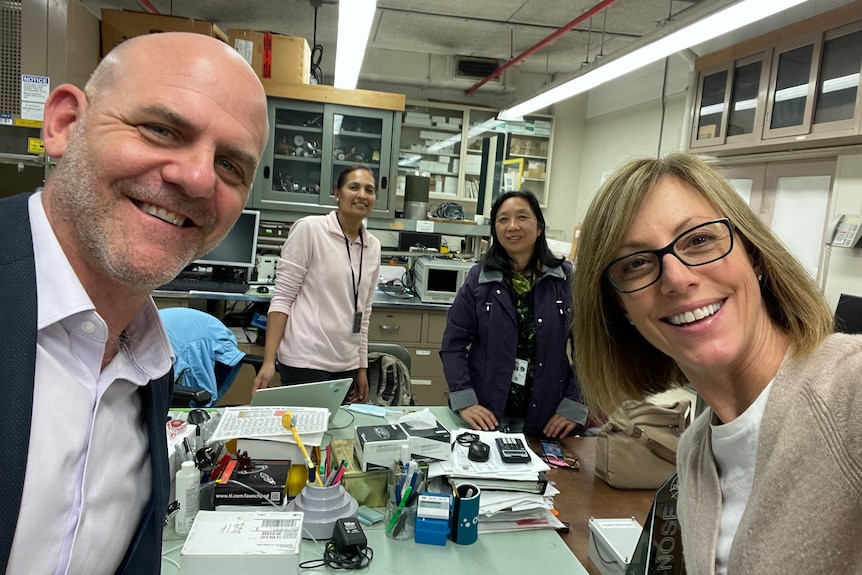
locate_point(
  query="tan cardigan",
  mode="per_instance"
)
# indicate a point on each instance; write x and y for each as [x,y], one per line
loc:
[804,514]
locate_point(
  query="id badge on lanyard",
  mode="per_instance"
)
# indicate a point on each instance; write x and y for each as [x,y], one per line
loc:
[519,375]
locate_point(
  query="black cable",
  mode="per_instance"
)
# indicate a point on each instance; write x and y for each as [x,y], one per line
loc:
[316,52]
[335,559]
[450,211]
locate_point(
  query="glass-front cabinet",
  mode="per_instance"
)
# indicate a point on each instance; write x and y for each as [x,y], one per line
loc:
[791,88]
[310,143]
[803,92]
[839,106]
[815,85]
[728,109]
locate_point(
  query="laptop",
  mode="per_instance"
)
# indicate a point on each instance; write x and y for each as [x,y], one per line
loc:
[328,394]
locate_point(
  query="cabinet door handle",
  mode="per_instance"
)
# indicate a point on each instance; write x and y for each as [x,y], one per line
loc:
[384,327]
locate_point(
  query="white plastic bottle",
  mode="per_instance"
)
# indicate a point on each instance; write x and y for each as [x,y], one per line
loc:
[188,485]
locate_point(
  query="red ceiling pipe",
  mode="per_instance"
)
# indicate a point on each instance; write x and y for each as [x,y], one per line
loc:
[588,14]
[146,5]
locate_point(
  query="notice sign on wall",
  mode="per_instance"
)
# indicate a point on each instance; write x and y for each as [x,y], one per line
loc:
[34,94]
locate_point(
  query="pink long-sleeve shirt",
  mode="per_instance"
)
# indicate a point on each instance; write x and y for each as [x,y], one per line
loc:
[314,287]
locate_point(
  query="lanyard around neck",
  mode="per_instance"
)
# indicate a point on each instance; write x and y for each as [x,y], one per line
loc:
[354,283]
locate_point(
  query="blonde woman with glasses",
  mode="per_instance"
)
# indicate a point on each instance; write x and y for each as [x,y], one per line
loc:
[678,280]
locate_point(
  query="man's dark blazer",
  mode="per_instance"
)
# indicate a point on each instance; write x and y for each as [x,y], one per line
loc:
[17,366]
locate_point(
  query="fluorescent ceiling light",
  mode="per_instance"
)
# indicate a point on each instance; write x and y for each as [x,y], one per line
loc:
[713,109]
[707,28]
[354,25]
[791,93]
[742,105]
[841,83]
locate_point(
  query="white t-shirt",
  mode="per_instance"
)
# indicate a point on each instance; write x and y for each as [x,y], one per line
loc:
[734,446]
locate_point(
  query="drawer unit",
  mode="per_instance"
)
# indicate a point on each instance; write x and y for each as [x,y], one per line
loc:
[420,332]
[402,327]
[436,324]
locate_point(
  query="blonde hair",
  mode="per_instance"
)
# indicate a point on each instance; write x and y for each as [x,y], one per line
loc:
[615,362]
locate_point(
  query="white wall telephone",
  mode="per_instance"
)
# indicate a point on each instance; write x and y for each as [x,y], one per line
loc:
[844,231]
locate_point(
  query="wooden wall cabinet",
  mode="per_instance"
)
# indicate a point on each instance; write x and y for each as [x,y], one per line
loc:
[786,94]
[420,332]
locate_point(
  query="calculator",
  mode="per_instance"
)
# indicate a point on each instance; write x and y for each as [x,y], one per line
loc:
[512,450]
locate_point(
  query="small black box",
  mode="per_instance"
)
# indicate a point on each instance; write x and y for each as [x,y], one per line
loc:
[268,477]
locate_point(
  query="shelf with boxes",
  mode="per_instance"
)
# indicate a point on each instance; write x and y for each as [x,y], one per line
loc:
[431,145]
[445,143]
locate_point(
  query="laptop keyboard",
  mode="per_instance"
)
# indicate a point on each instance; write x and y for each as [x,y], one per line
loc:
[200,284]
[262,423]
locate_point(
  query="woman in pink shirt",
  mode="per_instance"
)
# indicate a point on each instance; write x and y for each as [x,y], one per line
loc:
[317,327]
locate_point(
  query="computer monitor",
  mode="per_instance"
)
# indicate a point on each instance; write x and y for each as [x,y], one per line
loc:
[848,314]
[239,248]
[407,240]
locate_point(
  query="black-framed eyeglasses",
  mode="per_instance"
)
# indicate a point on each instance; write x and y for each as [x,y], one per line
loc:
[700,245]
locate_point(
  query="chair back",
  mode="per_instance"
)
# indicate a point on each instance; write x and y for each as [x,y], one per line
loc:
[207,356]
[389,375]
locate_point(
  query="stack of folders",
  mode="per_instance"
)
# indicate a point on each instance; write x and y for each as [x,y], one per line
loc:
[514,496]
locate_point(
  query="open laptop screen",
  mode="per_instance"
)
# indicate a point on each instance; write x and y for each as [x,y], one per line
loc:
[328,394]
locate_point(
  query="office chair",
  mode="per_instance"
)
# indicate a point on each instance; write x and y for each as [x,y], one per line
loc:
[207,356]
[389,375]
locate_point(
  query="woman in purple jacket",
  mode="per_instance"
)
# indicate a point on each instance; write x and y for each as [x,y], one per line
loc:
[504,348]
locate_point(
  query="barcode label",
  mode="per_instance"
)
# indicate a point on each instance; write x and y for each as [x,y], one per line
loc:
[279,523]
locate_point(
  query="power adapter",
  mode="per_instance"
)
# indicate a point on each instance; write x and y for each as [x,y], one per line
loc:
[348,536]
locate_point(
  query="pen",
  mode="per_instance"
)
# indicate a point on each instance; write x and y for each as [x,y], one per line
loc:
[340,473]
[397,516]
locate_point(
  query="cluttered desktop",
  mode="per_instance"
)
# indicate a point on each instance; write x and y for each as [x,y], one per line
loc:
[378,488]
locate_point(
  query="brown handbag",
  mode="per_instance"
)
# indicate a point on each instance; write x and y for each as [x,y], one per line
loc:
[636,447]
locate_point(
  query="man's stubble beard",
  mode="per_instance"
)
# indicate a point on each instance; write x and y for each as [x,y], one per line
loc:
[77,201]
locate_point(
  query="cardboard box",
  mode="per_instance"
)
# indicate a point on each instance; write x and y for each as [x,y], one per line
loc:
[429,444]
[287,61]
[120,25]
[378,444]
[243,541]
[268,477]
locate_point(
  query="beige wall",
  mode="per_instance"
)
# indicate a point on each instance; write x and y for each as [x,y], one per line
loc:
[845,268]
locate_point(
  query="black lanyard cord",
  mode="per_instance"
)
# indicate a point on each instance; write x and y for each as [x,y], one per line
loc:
[354,283]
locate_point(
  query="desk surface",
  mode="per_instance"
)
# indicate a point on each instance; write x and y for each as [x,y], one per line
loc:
[582,495]
[381,299]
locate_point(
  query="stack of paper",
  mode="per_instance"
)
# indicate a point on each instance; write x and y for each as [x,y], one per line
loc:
[259,430]
[514,496]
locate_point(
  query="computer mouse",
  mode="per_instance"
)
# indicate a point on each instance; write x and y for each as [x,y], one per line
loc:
[478,451]
[262,289]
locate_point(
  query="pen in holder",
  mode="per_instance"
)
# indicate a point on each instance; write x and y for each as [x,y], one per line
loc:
[464,528]
[401,507]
